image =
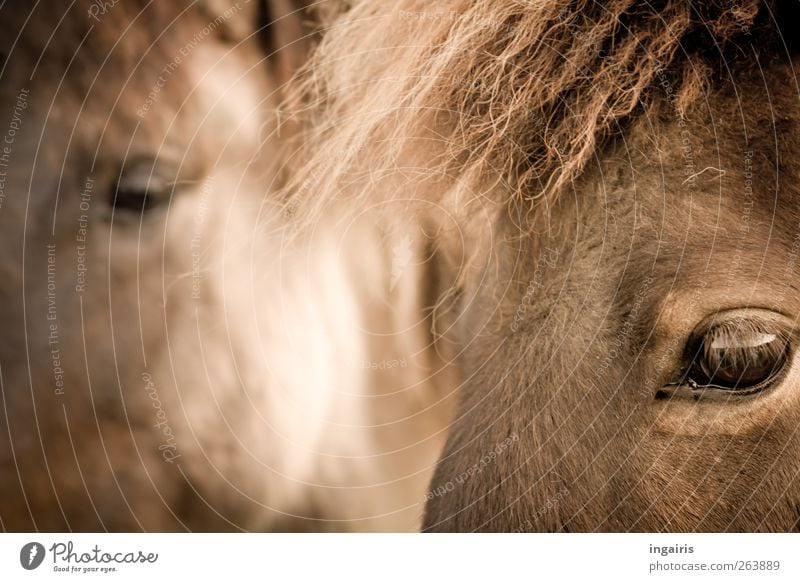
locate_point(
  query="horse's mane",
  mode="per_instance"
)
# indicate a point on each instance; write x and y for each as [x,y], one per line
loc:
[521,91]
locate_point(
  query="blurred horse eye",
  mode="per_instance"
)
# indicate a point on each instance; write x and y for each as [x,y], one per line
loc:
[142,186]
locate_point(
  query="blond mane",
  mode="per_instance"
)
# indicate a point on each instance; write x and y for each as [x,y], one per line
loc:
[517,91]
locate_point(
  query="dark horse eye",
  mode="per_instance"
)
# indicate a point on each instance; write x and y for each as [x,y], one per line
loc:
[739,358]
[735,357]
[142,186]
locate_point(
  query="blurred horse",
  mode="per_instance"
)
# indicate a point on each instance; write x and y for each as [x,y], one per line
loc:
[167,363]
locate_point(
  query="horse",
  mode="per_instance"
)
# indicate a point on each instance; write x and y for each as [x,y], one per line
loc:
[495,266]
[606,202]
[171,360]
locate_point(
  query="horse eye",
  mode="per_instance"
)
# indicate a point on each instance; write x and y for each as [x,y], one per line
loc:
[142,186]
[739,359]
[735,357]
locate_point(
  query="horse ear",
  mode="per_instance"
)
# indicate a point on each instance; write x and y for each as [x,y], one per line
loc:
[285,28]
